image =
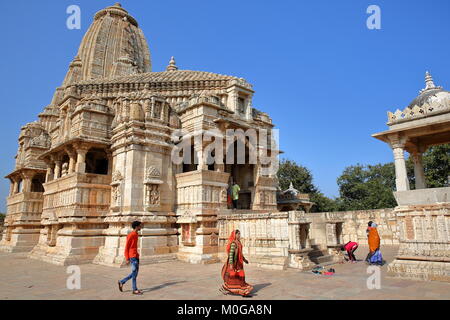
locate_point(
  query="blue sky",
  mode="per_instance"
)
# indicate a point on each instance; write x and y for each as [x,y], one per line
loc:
[324,77]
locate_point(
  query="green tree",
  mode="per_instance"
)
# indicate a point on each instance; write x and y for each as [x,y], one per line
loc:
[302,180]
[436,162]
[436,165]
[371,186]
[367,187]
[289,171]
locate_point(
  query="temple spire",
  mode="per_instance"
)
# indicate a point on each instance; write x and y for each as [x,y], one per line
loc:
[172,65]
[429,83]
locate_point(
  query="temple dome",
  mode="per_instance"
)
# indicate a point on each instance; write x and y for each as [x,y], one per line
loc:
[431,94]
[114,45]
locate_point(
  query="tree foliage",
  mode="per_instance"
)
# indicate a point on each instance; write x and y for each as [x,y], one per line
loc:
[364,187]
[367,187]
[289,171]
[370,187]
[302,180]
[436,162]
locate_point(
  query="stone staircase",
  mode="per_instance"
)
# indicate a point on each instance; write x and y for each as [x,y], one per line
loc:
[321,257]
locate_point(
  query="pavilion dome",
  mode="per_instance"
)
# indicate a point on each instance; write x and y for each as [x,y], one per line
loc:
[114,45]
[431,94]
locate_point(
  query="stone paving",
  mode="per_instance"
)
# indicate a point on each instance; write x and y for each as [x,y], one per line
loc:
[23,278]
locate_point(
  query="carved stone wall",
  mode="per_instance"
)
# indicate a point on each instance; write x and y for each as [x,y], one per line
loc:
[354,225]
[424,252]
[270,240]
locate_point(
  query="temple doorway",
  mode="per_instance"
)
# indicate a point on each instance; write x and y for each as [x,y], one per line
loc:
[243,174]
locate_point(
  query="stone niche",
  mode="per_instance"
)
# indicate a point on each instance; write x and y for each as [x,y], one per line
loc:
[116,191]
[152,192]
[188,225]
[299,241]
[327,231]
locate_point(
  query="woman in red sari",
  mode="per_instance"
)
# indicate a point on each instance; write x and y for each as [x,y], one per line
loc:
[233,273]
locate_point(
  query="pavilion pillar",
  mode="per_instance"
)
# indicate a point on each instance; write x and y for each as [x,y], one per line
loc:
[401,177]
[419,171]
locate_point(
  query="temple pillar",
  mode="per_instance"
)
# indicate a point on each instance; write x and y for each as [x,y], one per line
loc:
[12,187]
[49,173]
[57,169]
[27,176]
[110,162]
[16,186]
[81,160]
[198,149]
[72,161]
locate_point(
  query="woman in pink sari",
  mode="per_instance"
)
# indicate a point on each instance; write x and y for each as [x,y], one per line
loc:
[233,273]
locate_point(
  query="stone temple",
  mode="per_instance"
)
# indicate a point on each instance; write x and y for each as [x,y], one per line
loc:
[101,156]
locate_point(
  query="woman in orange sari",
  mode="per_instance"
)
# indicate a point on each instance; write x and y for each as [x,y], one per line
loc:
[233,273]
[373,239]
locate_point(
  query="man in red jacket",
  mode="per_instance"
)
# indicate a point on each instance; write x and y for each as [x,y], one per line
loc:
[132,255]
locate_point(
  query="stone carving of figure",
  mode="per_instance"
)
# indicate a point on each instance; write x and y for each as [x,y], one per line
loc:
[116,176]
[223,195]
[40,141]
[65,168]
[261,197]
[154,195]
[116,195]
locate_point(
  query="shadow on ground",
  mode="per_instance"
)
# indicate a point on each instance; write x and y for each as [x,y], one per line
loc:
[258,287]
[161,286]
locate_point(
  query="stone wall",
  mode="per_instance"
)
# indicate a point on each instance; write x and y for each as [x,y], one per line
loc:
[270,240]
[424,249]
[265,237]
[329,230]
[354,224]
[297,239]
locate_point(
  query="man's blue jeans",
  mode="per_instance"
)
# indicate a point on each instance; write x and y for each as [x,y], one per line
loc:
[134,273]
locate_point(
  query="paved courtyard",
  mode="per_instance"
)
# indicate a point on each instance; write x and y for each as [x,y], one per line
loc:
[23,278]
